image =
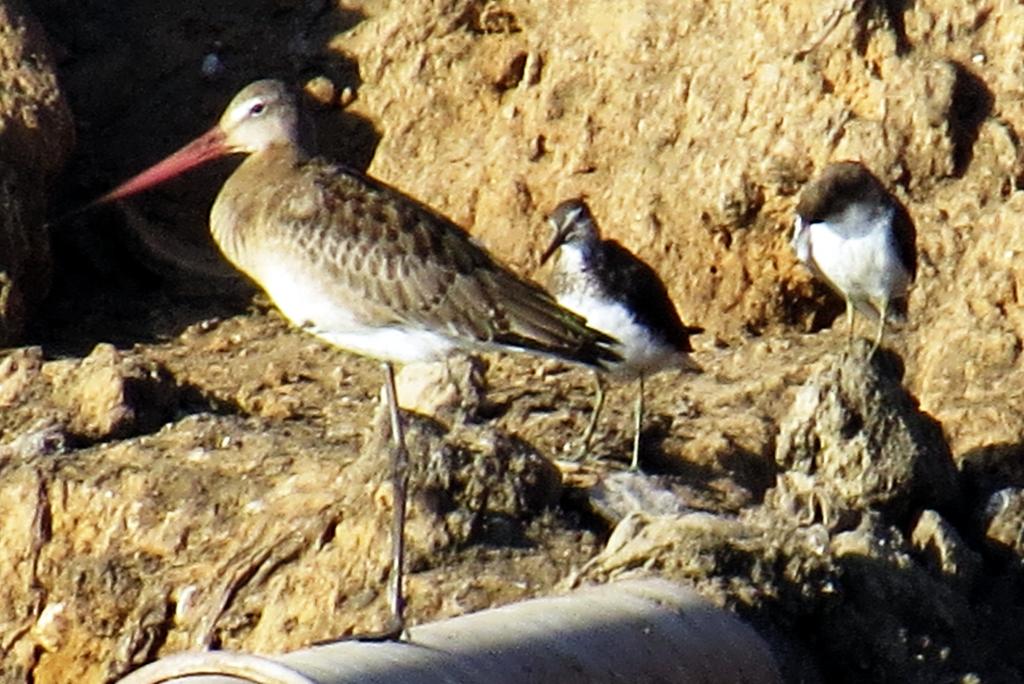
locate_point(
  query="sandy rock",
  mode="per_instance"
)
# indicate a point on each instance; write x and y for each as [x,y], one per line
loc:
[922,628]
[272,394]
[449,390]
[466,478]
[19,370]
[111,395]
[37,129]
[944,550]
[202,533]
[619,494]
[767,569]
[639,538]
[46,437]
[52,406]
[321,90]
[855,440]
[36,135]
[1003,518]
[990,468]
[861,592]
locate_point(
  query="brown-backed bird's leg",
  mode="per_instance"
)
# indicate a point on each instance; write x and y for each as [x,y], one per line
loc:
[400,484]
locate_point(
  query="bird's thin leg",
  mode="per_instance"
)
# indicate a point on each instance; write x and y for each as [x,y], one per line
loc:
[400,482]
[638,423]
[595,414]
[881,327]
[849,325]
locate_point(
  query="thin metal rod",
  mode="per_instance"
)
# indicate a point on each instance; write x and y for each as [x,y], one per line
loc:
[400,484]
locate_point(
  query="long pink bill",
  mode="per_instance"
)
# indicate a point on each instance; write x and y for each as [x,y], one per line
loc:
[206,147]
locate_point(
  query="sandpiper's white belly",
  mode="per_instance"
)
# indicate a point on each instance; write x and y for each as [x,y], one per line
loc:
[864,266]
[641,351]
[307,306]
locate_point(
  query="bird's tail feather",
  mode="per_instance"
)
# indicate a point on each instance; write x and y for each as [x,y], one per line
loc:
[537,323]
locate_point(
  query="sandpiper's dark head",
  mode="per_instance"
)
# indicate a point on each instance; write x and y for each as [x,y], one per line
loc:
[843,187]
[839,185]
[572,223]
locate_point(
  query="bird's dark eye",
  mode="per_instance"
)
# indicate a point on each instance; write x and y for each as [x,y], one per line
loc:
[257,109]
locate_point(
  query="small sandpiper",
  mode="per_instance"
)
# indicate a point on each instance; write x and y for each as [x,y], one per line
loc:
[363,266]
[859,239]
[621,296]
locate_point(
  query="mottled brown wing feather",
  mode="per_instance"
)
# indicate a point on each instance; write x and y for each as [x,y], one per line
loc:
[406,264]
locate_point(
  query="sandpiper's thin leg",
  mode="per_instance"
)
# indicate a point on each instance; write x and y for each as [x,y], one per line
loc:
[638,424]
[400,483]
[595,414]
[849,324]
[881,327]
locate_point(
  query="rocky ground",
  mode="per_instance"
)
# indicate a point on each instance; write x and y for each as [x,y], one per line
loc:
[179,469]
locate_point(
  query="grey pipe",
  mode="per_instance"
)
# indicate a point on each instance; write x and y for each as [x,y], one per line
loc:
[631,631]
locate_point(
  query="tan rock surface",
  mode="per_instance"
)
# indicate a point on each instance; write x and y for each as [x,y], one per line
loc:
[691,128]
[108,396]
[36,136]
[854,439]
